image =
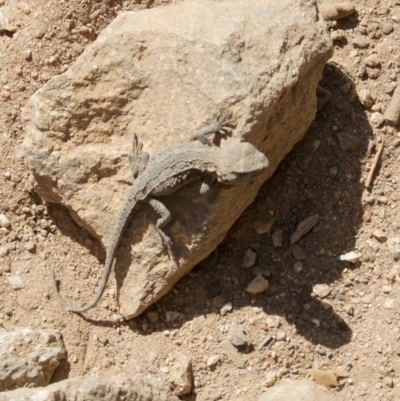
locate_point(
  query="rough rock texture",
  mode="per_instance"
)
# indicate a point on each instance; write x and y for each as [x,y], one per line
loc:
[29,357]
[93,389]
[181,375]
[163,74]
[299,390]
[336,11]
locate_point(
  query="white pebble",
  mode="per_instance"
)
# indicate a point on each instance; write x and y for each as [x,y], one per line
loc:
[16,282]
[352,257]
[4,221]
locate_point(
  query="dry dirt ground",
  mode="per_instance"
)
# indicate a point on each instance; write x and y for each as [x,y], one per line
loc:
[354,330]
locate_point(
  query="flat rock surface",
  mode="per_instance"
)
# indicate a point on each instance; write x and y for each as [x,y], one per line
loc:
[299,390]
[87,388]
[164,74]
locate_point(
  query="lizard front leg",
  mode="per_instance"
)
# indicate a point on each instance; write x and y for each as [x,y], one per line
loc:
[220,126]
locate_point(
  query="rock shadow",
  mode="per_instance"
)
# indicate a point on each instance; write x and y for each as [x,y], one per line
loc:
[322,175]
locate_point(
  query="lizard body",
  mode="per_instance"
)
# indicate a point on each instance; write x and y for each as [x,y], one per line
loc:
[167,170]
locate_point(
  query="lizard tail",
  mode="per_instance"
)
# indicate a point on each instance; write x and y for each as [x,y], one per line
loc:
[95,300]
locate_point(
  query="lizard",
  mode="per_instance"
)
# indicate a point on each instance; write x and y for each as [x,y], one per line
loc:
[169,169]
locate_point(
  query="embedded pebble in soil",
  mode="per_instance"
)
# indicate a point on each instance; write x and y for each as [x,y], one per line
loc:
[249,259]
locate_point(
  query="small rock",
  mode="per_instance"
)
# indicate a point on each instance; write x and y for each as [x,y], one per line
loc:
[336,11]
[298,252]
[233,355]
[341,372]
[45,76]
[237,336]
[16,282]
[304,227]
[321,290]
[315,145]
[366,98]
[393,245]
[171,316]
[4,222]
[387,27]
[383,200]
[326,378]
[5,25]
[281,336]
[277,238]
[30,246]
[226,308]
[298,266]
[377,119]
[372,61]
[213,360]
[267,340]
[360,42]
[348,142]
[352,257]
[273,321]
[258,285]
[153,316]
[181,375]
[379,235]
[3,251]
[366,216]
[218,301]
[27,54]
[249,259]
[5,95]
[392,113]
[271,379]
[338,36]
[389,382]
[164,369]
[389,303]
[263,227]
[333,171]
[18,70]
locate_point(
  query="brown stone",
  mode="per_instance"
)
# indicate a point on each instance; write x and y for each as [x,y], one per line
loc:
[326,378]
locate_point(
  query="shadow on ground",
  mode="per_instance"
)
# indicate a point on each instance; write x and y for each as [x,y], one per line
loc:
[318,176]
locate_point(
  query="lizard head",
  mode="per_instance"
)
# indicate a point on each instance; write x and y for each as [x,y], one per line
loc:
[242,161]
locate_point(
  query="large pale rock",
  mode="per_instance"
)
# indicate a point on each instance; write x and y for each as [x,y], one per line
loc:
[299,390]
[29,357]
[164,73]
[95,388]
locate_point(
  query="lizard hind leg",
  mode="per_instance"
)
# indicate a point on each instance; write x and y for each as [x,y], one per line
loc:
[165,218]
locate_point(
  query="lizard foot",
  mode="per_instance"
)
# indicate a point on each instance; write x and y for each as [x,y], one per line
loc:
[167,242]
[221,126]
